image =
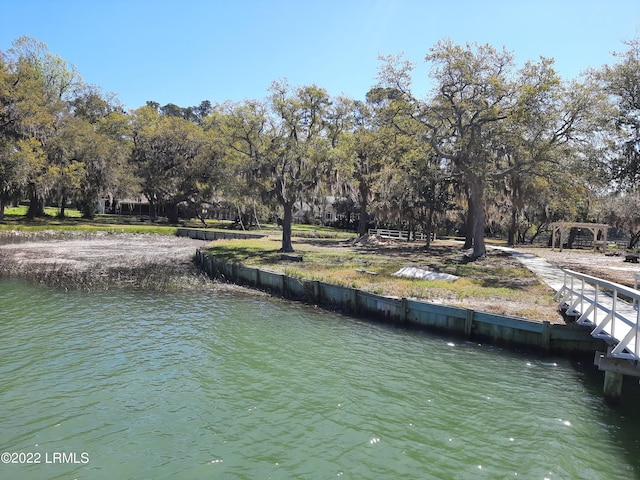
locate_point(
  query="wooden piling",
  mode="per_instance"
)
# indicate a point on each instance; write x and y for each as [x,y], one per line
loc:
[612,386]
[468,323]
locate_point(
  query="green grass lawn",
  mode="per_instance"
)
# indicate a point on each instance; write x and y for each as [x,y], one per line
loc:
[15,219]
[21,211]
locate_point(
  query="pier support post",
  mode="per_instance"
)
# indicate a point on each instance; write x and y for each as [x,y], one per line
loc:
[612,386]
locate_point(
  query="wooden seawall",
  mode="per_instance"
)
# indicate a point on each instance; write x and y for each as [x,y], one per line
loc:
[202,234]
[498,329]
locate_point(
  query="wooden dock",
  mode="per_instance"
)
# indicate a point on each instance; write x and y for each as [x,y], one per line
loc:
[611,311]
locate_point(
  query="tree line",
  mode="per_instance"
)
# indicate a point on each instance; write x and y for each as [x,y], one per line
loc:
[491,148]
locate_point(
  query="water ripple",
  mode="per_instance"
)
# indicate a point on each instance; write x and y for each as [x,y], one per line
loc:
[216,386]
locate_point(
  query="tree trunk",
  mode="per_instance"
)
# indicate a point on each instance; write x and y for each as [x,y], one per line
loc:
[88,210]
[153,210]
[255,215]
[61,211]
[429,228]
[2,205]
[512,227]
[476,211]
[36,205]
[287,246]
[363,222]
[468,227]
[172,214]
[538,231]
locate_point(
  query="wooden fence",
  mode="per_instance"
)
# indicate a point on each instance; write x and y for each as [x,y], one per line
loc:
[399,234]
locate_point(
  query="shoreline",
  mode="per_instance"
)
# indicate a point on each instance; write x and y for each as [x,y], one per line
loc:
[556,338]
[102,261]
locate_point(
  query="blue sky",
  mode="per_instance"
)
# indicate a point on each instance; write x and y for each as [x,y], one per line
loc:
[187,51]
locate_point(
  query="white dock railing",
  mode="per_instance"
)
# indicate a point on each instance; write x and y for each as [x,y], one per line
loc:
[398,234]
[608,307]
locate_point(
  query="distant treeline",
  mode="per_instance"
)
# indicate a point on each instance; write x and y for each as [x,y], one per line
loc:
[491,150]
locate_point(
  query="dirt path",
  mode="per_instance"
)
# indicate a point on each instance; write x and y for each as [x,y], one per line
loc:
[610,267]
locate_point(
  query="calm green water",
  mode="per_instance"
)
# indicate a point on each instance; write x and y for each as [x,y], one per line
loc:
[220,386]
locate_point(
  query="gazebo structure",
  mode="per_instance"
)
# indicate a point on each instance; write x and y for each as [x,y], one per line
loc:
[560,230]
